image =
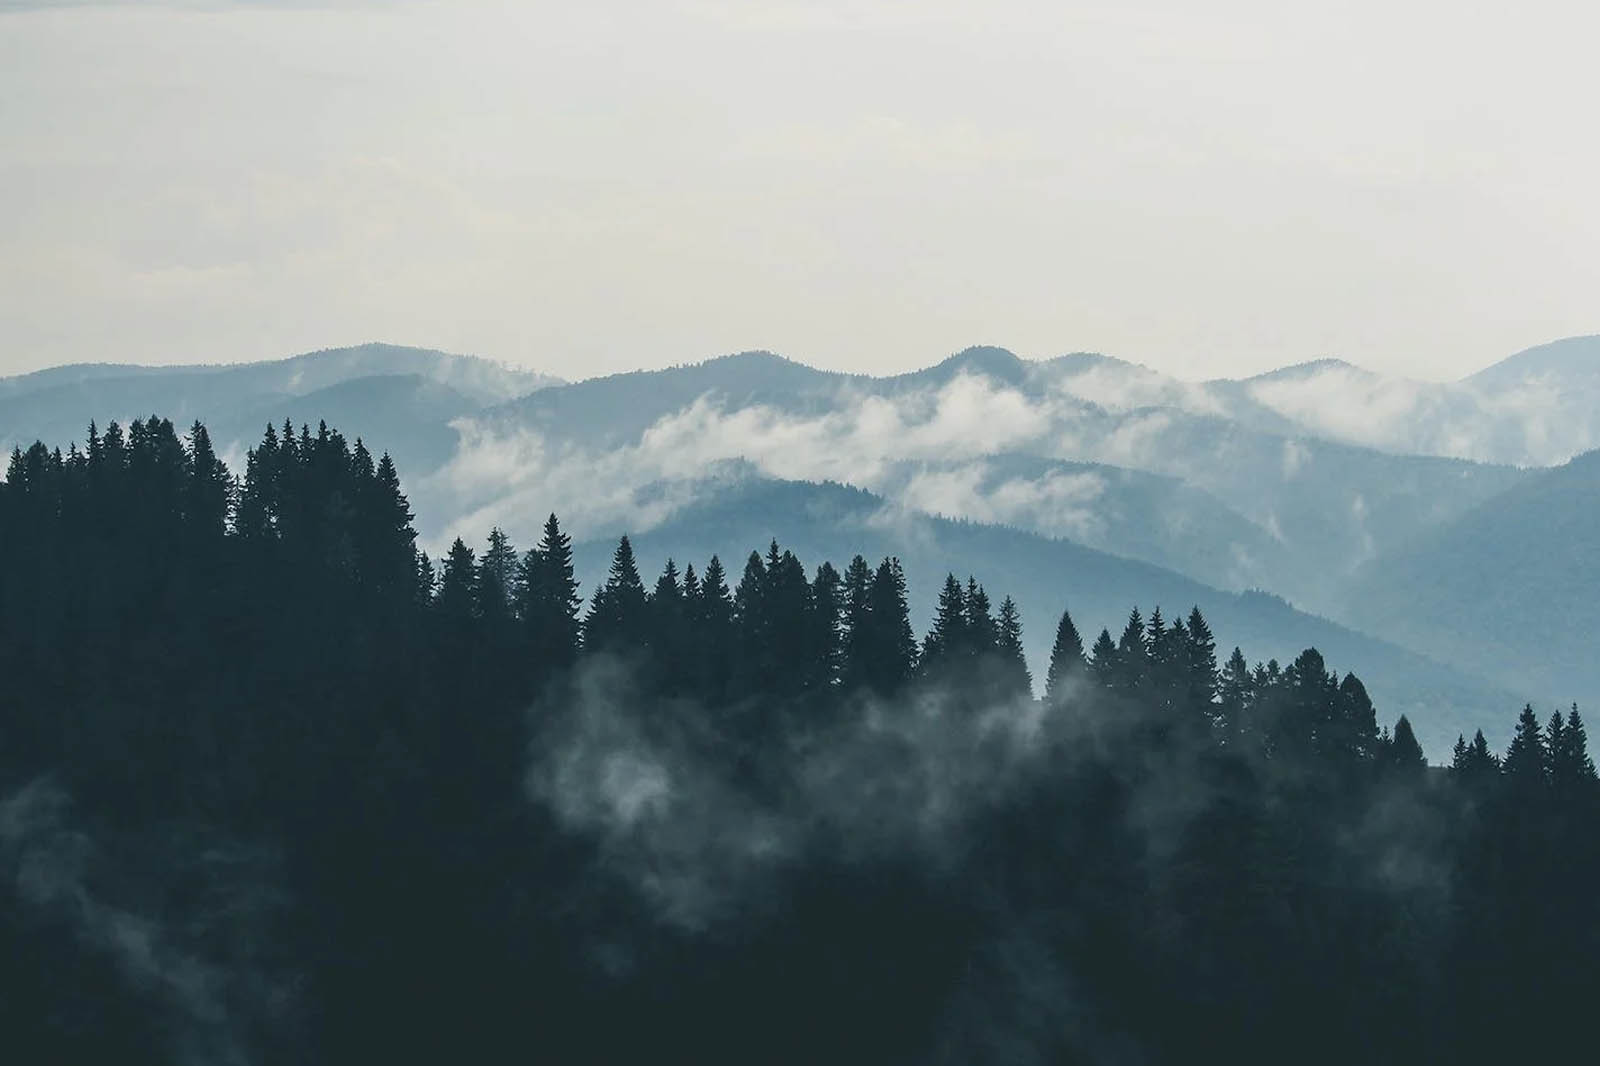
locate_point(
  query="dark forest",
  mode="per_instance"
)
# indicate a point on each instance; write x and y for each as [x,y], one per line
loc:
[276,787]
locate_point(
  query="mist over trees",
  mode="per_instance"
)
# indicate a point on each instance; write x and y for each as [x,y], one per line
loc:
[275,786]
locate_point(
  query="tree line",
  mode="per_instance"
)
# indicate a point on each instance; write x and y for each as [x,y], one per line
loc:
[1204,855]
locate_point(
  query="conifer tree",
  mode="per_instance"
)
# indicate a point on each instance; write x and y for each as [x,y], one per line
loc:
[1103,664]
[1133,658]
[948,637]
[980,637]
[497,590]
[669,632]
[1067,664]
[891,650]
[1352,733]
[1234,689]
[549,601]
[1200,663]
[1474,765]
[827,620]
[426,581]
[210,491]
[1524,764]
[855,669]
[617,619]
[387,540]
[457,598]
[1555,743]
[1571,767]
[1403,753]
[1015,682]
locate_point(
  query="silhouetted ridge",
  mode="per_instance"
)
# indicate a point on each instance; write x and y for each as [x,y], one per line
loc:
[277,786]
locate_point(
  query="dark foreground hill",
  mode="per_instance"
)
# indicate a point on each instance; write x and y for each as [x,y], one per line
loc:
[276,788]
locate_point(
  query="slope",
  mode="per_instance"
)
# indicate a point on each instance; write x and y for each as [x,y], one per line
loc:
[1506,587]
[834,522]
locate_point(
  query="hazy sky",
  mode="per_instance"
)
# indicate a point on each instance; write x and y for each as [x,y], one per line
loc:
[1208,188]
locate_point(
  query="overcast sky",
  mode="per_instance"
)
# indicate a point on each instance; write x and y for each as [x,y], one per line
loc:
[1208,188]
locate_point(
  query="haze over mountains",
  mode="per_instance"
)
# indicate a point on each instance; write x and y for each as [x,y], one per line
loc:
[1414,512]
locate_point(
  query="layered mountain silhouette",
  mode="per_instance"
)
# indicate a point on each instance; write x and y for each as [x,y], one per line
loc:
[1507,585]
[1435,517]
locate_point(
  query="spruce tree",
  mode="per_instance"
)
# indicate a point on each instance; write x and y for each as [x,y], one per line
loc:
[549,601]
[981,635]
[891,650]
[1571,767]
[827,627]
[1200,666]
[1067,665]
[1235,688]
[1103,661]
[1404,755]
[1524,764]
[1133,654]
[497,579]
[713,652]
[1015,682]
[948,638]
[210,490]
[669,633]
[618,615]
[457,598]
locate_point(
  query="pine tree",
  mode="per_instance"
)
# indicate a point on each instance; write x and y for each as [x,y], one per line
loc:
[1200,667]
[1524,764]
[891,649]
[981,635]
[549,603]
[385,538]
[947,640]
[1133,657]
[789,657]
[1403,754]
[713,654]
[1474,765]
[497,582]
[1015,682]
[457,599]
[427,580]
[210,489]
[1235,689]
[1571,767]
[1352,734]
[827,619]
[752,628]
[1555,743]
[618,616]
[856,668]
[669,632]
[1067,665]
[1103,661]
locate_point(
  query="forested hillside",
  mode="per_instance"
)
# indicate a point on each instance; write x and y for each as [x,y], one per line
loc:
[277,787]
[1499,586]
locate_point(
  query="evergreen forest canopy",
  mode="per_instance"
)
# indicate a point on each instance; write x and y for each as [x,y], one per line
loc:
[277,787]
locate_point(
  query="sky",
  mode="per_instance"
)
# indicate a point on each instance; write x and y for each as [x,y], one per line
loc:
[1209,189]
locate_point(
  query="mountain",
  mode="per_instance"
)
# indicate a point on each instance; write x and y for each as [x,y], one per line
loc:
[56,405]
[981,435]
[1044,575]
[1349,493]
[1566,363]
[1537,408]
[1507,587]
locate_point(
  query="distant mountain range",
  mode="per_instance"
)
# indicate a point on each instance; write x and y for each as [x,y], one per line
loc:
[1435,517]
